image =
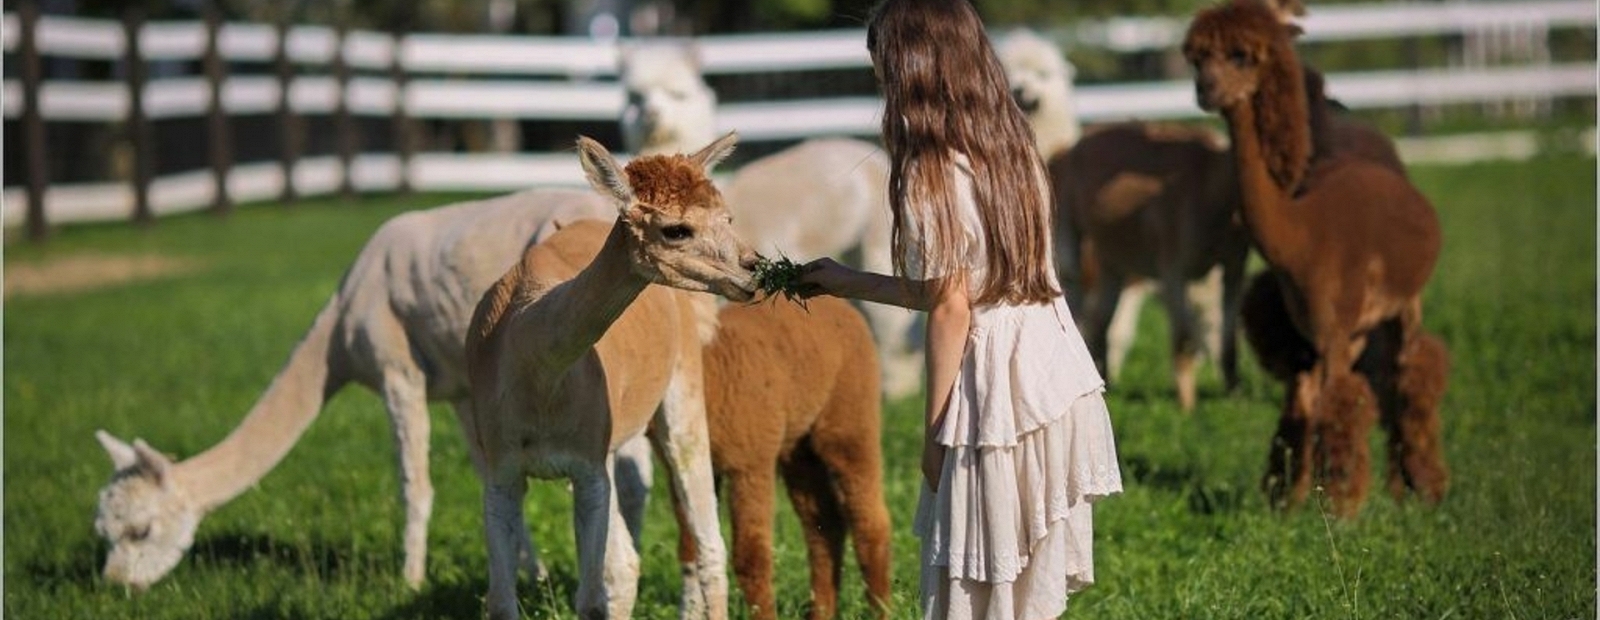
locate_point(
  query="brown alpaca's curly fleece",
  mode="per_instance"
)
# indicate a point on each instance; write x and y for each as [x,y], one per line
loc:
[1350,244]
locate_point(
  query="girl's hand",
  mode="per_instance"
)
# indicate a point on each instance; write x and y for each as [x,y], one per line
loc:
[824,276]
[932,461]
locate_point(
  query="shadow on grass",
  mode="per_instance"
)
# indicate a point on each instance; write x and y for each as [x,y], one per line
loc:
[463,598]
[81,568]
[1204,497]
[315,556]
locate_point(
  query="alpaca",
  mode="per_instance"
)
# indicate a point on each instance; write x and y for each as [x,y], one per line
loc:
[572,353]
[821,197]
[824,441]
[396,325]
[1157,201]
[1041,84]
[1351,242]
[1412,429]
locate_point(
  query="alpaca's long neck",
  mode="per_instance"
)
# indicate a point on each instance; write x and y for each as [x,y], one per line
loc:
[1056,128]
[581,309]
[273,425]
[1268,210]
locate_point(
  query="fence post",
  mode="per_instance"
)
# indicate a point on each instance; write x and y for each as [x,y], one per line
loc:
[219,133]
[403,145]
[33,136]
[348,136]
[138,123]
[288,121]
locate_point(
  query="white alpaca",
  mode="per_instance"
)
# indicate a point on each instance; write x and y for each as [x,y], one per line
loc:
[1042,83]
[396,325]
[822,197]
[573,352]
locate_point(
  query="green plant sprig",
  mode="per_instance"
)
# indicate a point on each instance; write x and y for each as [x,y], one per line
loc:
[779,276]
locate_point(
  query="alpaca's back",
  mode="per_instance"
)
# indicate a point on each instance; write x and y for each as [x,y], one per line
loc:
[822,197]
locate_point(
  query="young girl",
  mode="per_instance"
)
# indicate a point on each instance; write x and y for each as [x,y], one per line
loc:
[1017,441]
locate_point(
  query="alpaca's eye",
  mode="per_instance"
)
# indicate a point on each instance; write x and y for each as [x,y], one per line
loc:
[677,232]
[1238,58]
[139,533]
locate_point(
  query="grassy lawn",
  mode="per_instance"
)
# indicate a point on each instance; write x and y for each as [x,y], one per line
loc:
[178,358]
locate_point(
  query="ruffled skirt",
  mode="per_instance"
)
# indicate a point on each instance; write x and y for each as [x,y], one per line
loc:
[1029,448]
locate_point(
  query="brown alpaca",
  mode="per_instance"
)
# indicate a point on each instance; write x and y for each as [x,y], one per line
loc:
[1352,248]
[795,391]
[1157,201]
[1407,402]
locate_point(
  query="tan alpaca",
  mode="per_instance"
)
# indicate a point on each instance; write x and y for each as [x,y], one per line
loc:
[396,325]
[794,390]
[573,353]
[1352,244]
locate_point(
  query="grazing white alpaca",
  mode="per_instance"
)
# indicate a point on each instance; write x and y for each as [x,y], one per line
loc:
[822,197]
[573,352]
[396,325]
[1042,83]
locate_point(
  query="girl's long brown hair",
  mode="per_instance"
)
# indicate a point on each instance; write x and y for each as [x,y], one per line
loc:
[945,92]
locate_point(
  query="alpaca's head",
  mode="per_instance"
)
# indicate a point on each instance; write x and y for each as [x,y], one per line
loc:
[670,108]
[1243,55]
[680,230]
[149,522]
[1041,83]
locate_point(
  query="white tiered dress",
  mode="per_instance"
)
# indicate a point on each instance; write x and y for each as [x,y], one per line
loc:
[1009,532]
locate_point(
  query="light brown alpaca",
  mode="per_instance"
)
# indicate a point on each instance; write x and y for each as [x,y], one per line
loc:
[795,391]
[1157,201]
[1352,247]
[573,353]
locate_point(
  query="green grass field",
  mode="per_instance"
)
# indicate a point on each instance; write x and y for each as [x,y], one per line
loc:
[178,359]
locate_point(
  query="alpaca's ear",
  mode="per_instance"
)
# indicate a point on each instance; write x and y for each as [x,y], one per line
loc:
[151,460]
[122,454]
[603,171]
[717,151]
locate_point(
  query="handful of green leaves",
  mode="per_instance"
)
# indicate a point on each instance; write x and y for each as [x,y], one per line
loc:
[779,276]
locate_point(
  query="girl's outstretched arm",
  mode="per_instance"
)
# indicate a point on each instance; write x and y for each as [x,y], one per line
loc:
[826,276]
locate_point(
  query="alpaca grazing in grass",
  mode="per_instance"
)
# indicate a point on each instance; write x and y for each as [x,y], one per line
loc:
[1041,84]
[794,390]
[396,325]
[573,352]
[822,197]
[1351,242]
[1154,201]
[1407,402]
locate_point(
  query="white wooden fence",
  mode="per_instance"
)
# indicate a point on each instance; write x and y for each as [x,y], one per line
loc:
[568,78]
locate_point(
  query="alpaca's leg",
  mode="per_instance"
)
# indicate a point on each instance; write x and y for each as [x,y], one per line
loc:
[405,396]
[1288,477]
[1102,306]
[1125,326]
[750,507]
[678,432]
[854,461]
[1227,335]
[1415,442]
[634,476]
[622,552]
[527,552]
[593,516]
[811,494]
[1348,410]
[503,524]
[1184,335]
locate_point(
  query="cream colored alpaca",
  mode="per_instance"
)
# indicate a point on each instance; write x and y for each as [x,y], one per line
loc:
[573,353]
[396,325]
[822,197]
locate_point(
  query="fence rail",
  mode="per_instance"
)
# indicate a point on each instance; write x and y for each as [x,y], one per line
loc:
[569,78]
